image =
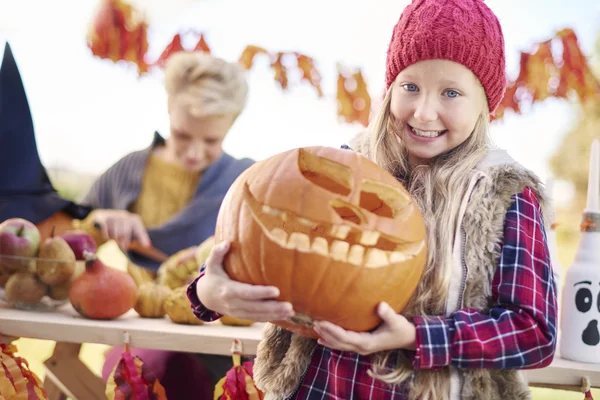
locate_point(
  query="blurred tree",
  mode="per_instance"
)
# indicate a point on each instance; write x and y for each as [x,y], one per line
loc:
[571,158]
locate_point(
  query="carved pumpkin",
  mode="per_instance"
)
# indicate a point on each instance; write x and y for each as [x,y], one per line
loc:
[332,230]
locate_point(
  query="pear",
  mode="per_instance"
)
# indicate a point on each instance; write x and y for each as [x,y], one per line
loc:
[61,290]
[56,261]
[25,288]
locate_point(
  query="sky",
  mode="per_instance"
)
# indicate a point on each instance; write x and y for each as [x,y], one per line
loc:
[89,112]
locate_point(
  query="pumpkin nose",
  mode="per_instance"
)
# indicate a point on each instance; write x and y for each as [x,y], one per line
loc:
[348,211]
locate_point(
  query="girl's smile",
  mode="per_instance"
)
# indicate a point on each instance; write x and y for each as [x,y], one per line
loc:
[424,135]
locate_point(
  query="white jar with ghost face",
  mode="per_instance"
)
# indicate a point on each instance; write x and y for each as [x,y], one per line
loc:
[580,313]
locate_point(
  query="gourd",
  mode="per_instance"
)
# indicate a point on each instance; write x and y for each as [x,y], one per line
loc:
[102,292]
[178,309]
[151,298]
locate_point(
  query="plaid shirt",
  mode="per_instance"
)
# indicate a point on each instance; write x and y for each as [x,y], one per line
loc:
[519,331]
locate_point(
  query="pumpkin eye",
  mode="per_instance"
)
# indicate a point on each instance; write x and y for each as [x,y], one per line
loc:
[329,175]
[383,200]
[348,212]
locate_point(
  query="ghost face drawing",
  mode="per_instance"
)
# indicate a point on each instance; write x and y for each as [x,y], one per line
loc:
[580,316]
[585,301]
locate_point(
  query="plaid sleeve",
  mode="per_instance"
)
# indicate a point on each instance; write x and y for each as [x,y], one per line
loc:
[201,312]
[519,330]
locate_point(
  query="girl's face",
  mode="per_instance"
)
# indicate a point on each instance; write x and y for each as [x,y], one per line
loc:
[435,105]
[195,143]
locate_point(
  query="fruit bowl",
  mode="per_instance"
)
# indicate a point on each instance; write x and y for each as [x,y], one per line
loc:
[34,283]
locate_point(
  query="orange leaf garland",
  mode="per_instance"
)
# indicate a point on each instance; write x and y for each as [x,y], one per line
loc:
[17,381]
[575,71]
[281,75]
[543,75]
[238,383]
[354,101]
[246,60]
[132,380]
[309,72]
[173,47]
[202,45]
[117,33]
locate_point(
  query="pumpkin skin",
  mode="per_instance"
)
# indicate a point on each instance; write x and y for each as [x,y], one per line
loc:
[59,222]
[336,233]
[151,298]
[177,308]
[180,269]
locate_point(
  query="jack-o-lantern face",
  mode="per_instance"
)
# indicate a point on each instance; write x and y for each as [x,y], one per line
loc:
[333,231]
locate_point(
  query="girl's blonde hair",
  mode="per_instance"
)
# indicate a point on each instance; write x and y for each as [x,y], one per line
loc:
[438,189]
[206,85]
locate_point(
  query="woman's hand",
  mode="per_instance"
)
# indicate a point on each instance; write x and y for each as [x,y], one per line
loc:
[220,293]
[122,226]
[395,332]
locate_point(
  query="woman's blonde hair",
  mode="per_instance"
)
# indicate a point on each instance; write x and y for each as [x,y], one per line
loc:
[206,85]
[438,189]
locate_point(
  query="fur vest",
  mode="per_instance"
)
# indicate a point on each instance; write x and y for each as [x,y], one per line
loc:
[283,357]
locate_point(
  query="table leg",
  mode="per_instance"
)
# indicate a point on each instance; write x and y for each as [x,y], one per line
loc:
[66,375]
[54,392]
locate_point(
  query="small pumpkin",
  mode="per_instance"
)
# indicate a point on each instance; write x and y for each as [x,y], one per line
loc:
[102,292]
[151,298]
[336,233]
[203,251]
[180,269]
[177,308]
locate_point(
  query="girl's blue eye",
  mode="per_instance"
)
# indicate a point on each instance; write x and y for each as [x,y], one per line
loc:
[409,87]
[452,93]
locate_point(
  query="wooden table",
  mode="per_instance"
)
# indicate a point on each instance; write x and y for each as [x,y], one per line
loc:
[67,375]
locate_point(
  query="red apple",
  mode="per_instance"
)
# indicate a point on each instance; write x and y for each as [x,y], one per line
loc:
[79,241]
[20,238]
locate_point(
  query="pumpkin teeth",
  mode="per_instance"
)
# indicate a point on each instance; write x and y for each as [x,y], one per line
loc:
[376,258]
[369,238]
[340,231]
[306,222]
[320,246]
[271,211]
[280,236]
[299,241]
[339,250]
[399,256]
[356,254]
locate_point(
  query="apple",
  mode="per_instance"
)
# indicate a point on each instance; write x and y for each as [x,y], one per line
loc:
[79,241]
[20,238]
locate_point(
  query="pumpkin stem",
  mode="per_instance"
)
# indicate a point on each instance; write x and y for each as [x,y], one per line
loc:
[90,259]
[52,232]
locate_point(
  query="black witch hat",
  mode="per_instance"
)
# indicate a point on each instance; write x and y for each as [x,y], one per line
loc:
[25,189]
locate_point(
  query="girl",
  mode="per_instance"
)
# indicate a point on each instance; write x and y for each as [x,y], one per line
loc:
[485,306]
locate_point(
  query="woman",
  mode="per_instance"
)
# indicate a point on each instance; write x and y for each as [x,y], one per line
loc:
[168,195]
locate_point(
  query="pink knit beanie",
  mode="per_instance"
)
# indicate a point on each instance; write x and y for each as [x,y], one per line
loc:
[463,31]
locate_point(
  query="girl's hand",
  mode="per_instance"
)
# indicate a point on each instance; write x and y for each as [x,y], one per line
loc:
[122,226]
[220,293]
[396,332]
